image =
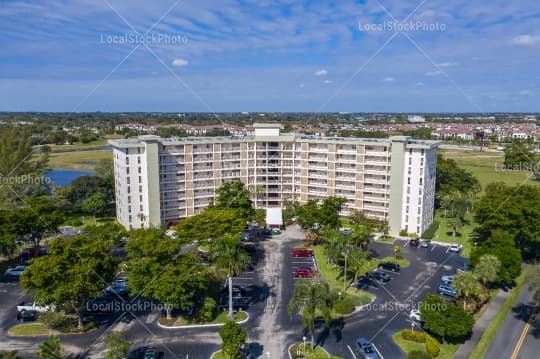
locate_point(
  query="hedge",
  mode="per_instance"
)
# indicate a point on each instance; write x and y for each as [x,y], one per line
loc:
[414,335]
[432,345]
[430,231]
[344,307]
[418,354]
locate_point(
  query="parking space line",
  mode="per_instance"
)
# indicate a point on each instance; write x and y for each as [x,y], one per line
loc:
[377,350]
[447,249]
[352,353]
[405,245]
[433,247]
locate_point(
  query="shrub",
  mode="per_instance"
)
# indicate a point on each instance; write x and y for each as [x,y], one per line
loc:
[418,354]
[403,233]
[414,335]
[432,346]
[58,321]
[430,231]
[207,312]
[344,307]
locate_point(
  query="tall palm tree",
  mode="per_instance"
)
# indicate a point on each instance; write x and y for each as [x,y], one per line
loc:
[487,268]
[311,298]
[227,254]
[333,244]
[357,259]
[467,286]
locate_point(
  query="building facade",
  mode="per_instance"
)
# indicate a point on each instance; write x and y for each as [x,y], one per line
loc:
[161,180]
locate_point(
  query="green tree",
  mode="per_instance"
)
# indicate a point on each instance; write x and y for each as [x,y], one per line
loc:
[210,223]
[333,244]
[51,348]
[234,195]
[117,346]
[75,270]
[361,235]
[19,164]
[10,355]
[467,286]
[451,178]
[307,214]
[227,253]
[447,321]
[357,259]
[487,268]
[518,157]
[94,205]
[311,299]
[329,211]
[456,224]
[233,338]
[501,245]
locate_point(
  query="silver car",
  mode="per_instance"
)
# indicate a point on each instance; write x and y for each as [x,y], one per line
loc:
[15,271]
[366,349]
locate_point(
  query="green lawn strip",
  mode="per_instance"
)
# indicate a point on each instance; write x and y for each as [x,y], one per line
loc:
[297,351]
[334,277]
[403,262]
[82,160]
[30,329]
[77,146]
[491,331]
[220,319]
[444,232]
[447,350]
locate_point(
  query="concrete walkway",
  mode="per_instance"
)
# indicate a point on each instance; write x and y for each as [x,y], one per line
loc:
[481,324]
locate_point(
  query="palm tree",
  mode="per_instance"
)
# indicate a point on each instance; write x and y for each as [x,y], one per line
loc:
[467,286]
[257,191]
[228,255]
[309,299]
[456,224]
[333,244]
[487,268]
[357,260]
[50,349]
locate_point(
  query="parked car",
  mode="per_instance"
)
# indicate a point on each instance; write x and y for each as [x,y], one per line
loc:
[27,315]
[301,252]
[447,279]
[316,226]
[465,268]
[413,242]
[391,266]
[454,247]
[237,291]
[238,303]
[32,307]
[117,288]
[415,315]
[366,349]
[445,289]
[425,243]
[16,271]
[380,276]
[32,252]
[304,272]
[364,281]
[345,231]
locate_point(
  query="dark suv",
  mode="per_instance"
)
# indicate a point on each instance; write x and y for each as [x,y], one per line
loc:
[413,242]
[391,266]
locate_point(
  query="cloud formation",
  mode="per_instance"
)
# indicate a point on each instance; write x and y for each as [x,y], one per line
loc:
[180,62]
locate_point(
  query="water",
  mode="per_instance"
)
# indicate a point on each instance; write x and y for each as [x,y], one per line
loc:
[63,177]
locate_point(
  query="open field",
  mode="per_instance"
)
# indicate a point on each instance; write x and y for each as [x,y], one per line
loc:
[77,146]
[444,232]
[81,160]
[487,167]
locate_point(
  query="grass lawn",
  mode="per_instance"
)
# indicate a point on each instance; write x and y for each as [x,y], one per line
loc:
[82,160]
[487,167]
[30,329]
[220,319]
[297,351]
[335,278]
[447,350]
[78,146]
[403,263]
[444,232]
[491,331]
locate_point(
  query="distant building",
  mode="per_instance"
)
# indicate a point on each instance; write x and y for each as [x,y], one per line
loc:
[161,180]
[416,119]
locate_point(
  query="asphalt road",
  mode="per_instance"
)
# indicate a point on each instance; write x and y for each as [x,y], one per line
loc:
[515,339]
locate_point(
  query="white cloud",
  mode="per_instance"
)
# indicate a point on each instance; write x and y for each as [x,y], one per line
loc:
[447,64]
[525,93]
[301,86]
[526,40]
[420,83]
[434,73]
[388,79]
[321,72]
[327,82]
[180,62]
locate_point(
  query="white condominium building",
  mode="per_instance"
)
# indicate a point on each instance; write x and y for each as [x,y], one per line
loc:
[162,180]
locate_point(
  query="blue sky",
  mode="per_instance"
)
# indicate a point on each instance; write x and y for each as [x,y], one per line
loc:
[270,55]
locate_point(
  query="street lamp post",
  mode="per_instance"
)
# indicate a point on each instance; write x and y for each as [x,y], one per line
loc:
[304,339]
[339,295]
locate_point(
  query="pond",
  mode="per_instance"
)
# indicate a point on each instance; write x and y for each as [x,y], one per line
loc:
[63,177]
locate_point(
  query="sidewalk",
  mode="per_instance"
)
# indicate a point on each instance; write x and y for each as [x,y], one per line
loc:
[481,324]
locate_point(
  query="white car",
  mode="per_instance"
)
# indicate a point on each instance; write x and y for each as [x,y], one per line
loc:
[415,315]
[33,307]
[454,247]
[447,279]
[15,271]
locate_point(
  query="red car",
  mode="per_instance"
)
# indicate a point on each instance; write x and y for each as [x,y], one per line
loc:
[302,252]
[304,272]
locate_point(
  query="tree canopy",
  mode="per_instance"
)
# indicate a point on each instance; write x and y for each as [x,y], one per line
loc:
[517,157]
[446,321]
[75,270]
[233,337]
[234,195]
[210,223]
[451,179]
[325,213]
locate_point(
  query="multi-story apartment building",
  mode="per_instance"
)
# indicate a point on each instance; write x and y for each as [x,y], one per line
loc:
[161,180]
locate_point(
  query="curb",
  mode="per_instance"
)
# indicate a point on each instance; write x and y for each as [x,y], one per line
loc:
[360,307]
[214,353]
[200,325]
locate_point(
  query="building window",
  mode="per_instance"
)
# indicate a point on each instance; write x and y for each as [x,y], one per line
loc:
[141,208]
[139,169]
[128,180]
[139,159]
[407,209]
[409,180]
[130,219]
[410,151]
[418,229]
[140,179]
[129,189]
[129,199]
[127,170]
[410,160]
[129,209]
[140,198]
[421,161]
[140,189]
[408,198]
[422,152]
[127,160]
[420,181]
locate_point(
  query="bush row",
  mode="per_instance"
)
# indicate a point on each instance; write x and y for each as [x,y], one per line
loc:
[433,347]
